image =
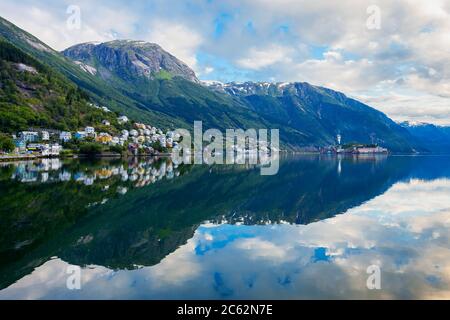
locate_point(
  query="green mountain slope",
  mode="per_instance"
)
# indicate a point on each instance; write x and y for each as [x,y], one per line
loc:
[33,95]
[99,91]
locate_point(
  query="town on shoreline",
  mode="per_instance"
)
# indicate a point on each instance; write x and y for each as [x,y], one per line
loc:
[132,139]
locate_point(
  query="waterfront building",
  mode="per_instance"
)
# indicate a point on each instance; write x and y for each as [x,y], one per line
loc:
[45,136]
[65,136]
[29,136]
[104,138]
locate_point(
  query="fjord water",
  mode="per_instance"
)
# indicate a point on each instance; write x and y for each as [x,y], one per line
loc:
[148,229]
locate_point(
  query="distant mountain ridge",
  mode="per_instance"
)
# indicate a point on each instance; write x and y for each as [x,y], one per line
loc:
[148,84]
[434,138]
[317,114]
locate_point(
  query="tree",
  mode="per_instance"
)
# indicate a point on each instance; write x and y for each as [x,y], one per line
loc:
[6,143]
[116,149]
[90,148]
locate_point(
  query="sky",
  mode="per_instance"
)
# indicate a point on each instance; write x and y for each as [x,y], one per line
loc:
[392,55]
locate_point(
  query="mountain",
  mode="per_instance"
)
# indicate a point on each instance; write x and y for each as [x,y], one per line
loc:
[148,84]
[314,115]
[33,95]
[434,138]
[161,84]
[128,60]
[98,90]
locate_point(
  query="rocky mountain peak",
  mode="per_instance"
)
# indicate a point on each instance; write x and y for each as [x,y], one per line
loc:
[129,58]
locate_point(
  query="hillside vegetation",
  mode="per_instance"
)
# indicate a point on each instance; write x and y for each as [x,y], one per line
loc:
[33,95]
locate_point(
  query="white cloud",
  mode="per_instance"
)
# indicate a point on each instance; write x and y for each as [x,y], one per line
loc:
[261,58]
[178,39]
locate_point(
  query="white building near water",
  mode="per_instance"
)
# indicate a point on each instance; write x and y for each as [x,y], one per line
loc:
[45,136]
[51,150]
[65,136]
[115,140]
[29,136]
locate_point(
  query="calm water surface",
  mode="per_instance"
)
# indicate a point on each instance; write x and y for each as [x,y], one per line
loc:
[148,229]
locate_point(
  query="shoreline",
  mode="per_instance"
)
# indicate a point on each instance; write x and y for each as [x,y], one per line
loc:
[8,158]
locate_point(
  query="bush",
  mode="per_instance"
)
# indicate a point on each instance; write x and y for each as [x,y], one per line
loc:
[66,153]
[90,148]
[116,149]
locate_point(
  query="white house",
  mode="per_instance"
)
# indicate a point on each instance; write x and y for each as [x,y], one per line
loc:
[162,140]
[89,130]
[106,123]
[29,136]
[51,150]
[65,136]
[115,140]
[125,133]
[134,133]
[45,136]
[122,119]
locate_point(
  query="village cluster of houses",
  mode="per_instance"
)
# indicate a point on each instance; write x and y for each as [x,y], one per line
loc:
[144,136]
[36,142]
[47,142]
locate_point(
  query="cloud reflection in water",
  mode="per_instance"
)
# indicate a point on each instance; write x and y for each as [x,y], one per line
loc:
[405,231]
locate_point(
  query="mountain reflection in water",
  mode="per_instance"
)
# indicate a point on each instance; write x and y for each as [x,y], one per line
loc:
[146,228]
